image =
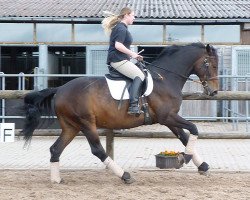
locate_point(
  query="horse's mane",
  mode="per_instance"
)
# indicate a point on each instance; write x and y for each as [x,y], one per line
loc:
[170,50]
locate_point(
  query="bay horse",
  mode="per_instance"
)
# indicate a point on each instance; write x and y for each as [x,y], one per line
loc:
[85,104]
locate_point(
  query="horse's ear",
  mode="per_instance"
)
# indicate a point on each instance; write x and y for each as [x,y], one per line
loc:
[208,48]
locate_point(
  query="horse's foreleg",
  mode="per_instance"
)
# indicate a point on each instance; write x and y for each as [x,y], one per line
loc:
[197,160]
[98,151]
[56,150]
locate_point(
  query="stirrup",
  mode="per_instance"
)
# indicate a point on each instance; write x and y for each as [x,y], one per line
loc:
[134,110]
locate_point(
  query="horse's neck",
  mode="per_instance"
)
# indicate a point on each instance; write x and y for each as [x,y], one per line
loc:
[176,76]
[168,85]
[176,68]
[175,81]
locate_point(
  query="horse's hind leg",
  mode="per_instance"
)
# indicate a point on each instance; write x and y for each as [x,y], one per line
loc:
[98,150]
[197,160]
[174,120]
[67,135]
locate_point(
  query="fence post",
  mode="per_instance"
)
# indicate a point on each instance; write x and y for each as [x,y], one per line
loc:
[3,100]
[110,143]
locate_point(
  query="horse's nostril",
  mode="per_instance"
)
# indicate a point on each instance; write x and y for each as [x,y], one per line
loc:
[214,93]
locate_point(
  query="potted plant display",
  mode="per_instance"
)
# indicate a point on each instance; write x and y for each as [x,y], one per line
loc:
[167,160]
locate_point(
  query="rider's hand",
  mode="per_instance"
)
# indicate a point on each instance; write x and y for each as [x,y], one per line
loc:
[136,56]
[139,58]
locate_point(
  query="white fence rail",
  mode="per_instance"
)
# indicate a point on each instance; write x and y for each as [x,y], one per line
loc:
[226,110]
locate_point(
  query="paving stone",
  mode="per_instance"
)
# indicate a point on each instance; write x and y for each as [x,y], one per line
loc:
[130,153]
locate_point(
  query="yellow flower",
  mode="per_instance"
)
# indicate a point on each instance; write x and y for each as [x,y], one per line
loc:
[169,153]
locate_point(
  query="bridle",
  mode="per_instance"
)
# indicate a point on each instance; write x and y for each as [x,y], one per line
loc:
[205,66]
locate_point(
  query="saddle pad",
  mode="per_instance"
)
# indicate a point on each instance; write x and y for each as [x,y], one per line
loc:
[116,88]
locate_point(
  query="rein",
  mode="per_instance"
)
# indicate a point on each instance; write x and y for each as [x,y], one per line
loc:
[188,78]
[203,83]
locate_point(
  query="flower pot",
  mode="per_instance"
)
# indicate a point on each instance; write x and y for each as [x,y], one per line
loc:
[167,162]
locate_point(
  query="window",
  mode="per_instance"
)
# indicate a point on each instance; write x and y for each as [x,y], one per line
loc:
[146,33]
[10,32]
[53,32]
[222,33]
[243,62]
[90,33]
[183,33]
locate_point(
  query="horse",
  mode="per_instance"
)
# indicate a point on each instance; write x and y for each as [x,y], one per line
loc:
[85,104]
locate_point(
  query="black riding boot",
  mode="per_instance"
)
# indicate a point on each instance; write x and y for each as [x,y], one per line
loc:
[134,94]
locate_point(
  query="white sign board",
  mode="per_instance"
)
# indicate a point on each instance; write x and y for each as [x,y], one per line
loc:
[7,132]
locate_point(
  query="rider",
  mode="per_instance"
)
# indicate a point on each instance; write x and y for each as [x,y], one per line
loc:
[119,53]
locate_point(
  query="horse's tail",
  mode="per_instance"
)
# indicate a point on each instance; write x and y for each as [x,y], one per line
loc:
[35,104]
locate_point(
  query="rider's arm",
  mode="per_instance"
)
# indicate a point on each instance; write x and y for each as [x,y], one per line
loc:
[120,47]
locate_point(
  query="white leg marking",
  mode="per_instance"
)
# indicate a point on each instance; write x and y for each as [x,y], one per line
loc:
[197,160]
[54,172]
[191,144]
[118,171]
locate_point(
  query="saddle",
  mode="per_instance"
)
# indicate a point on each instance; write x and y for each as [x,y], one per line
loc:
[119,84]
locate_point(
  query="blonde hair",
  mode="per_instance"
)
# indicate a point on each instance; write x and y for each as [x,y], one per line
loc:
[110,21]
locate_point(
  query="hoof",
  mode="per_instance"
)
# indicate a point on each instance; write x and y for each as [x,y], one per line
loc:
[127,178]
[184,158]
[181,159]
[203,169]
[207,173]
[187,158]
[129,181]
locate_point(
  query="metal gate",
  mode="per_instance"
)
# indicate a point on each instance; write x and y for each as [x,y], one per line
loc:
[96,60]
[240,68]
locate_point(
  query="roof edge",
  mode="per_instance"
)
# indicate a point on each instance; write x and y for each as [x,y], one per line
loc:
[138,20]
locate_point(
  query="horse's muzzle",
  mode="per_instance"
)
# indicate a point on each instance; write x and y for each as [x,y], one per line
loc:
[208,90]
[214,93]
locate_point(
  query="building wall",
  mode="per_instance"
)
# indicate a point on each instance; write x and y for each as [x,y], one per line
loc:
[94,44]
[245,35]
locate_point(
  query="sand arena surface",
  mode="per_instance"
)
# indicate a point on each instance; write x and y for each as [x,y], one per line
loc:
[101,184]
